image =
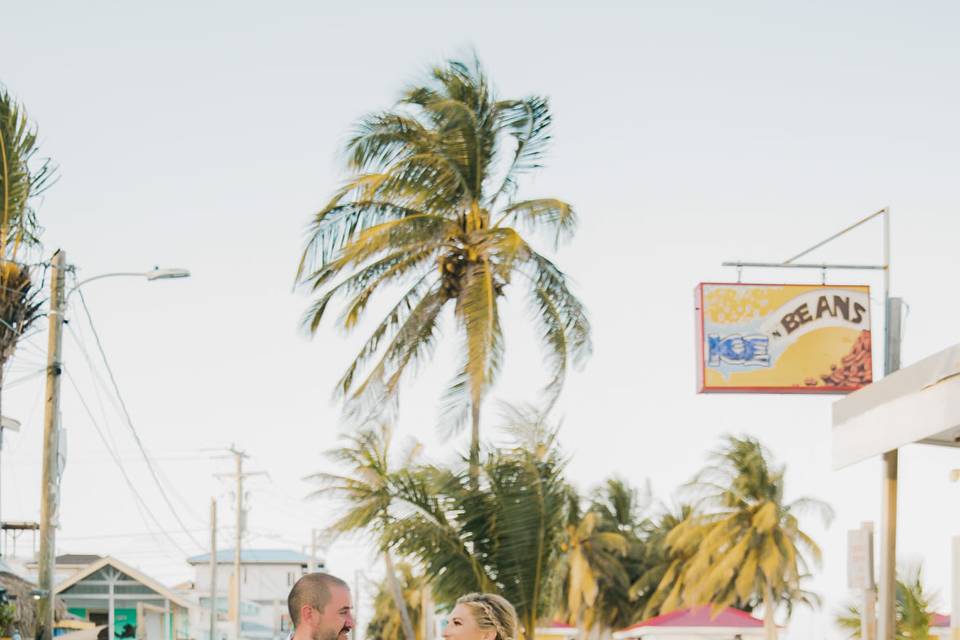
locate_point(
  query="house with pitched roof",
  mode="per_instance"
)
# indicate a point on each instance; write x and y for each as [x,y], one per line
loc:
[130,603]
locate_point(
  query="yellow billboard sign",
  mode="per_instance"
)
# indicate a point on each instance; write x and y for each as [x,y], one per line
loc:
[783,338]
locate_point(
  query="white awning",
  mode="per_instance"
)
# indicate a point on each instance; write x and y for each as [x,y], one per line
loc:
[920,403]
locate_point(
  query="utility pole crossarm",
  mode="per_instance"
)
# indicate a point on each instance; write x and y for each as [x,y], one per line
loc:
[239,475]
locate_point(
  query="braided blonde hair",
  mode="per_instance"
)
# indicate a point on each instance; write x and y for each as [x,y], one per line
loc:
[492,612]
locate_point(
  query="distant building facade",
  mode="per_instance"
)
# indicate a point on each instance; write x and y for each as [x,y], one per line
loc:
[266,577]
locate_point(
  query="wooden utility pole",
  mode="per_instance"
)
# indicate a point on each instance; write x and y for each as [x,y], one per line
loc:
[50,478]
[239,476]
[213,569]
[239,542]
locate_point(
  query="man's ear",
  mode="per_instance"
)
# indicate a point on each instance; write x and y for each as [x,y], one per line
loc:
[306,615]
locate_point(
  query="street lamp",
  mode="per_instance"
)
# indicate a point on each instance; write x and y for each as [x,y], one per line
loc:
[49,487]
[154,274]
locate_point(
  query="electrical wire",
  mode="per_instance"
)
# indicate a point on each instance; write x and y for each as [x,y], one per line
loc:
[129,421]
[139,499]
[98,383]
[136,534]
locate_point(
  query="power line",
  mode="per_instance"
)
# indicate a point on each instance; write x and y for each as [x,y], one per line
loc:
[129,421]
[139,499]
[98,383]
[135,534]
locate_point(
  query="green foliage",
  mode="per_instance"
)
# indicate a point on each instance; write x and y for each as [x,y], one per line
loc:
[914,608]
[519,529]
[23,176]
[604,553]
[386,623]
[430,212]
[502,533]
[367,491]
[8,615]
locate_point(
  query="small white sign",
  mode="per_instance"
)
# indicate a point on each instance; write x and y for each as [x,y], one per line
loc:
[860,559]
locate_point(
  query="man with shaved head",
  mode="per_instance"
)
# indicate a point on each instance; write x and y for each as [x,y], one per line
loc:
[320,608]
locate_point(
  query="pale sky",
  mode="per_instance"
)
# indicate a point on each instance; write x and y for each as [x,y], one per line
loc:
[203,135]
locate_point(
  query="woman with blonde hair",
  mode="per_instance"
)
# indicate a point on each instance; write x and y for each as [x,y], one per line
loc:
[482,616]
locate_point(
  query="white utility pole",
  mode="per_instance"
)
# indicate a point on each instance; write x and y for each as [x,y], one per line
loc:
[213,569]
[312,563]
[358,631]
[50,480]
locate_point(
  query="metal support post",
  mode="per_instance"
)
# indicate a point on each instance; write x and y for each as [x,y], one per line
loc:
[893,312]
[955,590]
[868,612]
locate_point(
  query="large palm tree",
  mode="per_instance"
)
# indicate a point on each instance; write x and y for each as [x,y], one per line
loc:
[23,177]
[749,544]
[367,494]
[500,531]
[431,213]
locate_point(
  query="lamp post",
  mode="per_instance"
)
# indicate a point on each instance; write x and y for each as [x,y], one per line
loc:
[50,481]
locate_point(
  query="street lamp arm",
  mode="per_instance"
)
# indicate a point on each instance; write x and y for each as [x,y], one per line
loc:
[155,274]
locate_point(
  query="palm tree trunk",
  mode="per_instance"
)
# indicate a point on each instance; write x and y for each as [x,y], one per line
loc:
[530,624]
[769,624]
[475,443]
[398,600]
[1,430]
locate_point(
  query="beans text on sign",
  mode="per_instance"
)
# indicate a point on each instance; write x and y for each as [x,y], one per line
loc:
[840,306]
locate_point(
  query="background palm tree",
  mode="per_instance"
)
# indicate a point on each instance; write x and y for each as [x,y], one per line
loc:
[664,562]
[593,554]
[23,177]
[367,493]
[914,608]
[431,211]
[386,622]
[608,545]
[749,544]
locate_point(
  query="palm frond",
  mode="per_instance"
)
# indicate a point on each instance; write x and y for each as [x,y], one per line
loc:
[479,316]
[543,214]
[528,122]
[23,177]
